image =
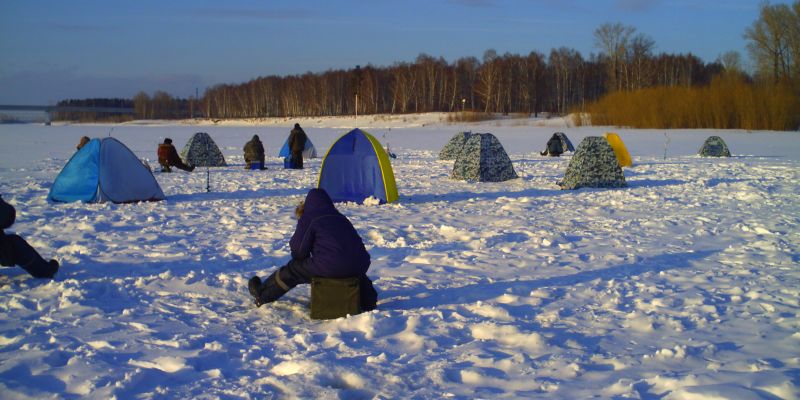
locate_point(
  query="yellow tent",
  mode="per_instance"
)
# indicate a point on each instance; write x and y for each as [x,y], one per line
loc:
[623,157]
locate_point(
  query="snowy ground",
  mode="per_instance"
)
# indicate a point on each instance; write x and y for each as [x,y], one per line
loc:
[683,286]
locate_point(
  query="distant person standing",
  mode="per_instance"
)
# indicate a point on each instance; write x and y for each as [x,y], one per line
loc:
[168,157]
[254,152]
[297,143]
[83,142]
[14,250]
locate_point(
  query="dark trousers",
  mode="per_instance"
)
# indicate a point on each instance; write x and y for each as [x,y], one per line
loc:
[297,272]
[297,160]
[165,167]
[14,250]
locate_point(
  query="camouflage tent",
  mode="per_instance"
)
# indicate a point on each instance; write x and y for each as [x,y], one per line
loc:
[201,151]
[593,165]
[715,147]
[453,147]
[483,159]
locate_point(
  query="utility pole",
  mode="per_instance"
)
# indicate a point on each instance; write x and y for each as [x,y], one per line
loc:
[357,85]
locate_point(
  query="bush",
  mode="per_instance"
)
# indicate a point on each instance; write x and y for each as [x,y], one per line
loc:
[729,102]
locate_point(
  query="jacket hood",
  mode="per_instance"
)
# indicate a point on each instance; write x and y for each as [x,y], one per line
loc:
[317,203]
[255,138]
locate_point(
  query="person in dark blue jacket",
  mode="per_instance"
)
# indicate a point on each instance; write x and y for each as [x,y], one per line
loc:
[324,244]
[14,250]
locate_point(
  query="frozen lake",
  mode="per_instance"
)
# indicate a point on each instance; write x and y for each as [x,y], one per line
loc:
[683,285]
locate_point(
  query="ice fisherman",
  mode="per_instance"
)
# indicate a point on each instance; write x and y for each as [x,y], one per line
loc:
[554,147]
[324,244]
[168,157]
[14,250]
[297,143]
[254,152]
[83,142]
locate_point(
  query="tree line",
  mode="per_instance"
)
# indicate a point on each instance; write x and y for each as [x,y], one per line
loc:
[560,82]
[508,83]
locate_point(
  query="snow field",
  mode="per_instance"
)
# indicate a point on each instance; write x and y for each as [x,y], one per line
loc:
[683,285]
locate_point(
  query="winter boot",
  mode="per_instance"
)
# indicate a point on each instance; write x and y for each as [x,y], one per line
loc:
[272,289]
[53,264]
[254,287]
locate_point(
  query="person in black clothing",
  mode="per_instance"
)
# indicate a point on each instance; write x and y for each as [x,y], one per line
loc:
[324,244]
[297,143]
[554,147]
[14,250]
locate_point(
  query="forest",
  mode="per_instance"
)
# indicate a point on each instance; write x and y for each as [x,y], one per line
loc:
[625,78]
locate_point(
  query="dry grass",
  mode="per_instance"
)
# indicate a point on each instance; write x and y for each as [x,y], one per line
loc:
[469,116]
[728,102]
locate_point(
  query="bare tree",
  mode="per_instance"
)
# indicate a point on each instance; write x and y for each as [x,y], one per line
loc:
[769,41]
[613,41]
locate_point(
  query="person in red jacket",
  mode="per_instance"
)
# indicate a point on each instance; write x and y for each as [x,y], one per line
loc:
[168,157]
[324,244]
[14,250]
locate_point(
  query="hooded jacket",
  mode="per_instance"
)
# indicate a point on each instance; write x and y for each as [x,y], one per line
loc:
[254,150]
[329,239]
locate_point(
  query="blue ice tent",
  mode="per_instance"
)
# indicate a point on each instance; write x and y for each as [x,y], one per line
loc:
[309,152]
[105,170]
[356,167]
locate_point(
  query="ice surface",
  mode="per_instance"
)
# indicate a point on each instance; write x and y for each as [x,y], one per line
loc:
[683,285]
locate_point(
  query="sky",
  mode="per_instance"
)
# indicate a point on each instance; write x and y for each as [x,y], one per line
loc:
[54,50]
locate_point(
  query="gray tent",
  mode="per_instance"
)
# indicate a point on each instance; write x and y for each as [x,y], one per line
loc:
[714,147]
[453,147]
[201,151]
[483,159]
[594,165]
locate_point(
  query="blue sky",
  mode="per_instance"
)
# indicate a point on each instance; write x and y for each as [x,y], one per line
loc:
[52,50]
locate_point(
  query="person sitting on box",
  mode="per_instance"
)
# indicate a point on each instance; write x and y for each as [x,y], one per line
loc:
[254,154]
[14,250]
[324,244]
[168,157]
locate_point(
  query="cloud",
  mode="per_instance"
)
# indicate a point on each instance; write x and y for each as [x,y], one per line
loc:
[636,5]
[474,3]
[240,13]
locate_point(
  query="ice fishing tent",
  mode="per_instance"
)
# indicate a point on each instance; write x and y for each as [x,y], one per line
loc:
[623,157]
[453,147]
[594,165]
[201,151]
[309,152]
[561,142]
[356,167]
[483,159]
[105,170]
[714,146]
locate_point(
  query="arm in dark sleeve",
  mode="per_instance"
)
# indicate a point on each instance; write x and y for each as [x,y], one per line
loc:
[302,240]
[7,214]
